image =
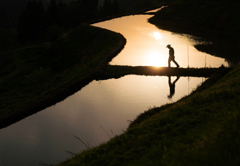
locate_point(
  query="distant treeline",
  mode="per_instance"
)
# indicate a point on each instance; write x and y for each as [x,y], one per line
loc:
[14,7]
[4,20]
[41,18]
[36,20]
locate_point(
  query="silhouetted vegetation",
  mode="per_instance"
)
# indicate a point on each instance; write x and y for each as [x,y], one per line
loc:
[32,22]
[219,18]
[110,8]
[4,20]
[14,7]
[35,20]
[138,5]
[39,15]
[215,20]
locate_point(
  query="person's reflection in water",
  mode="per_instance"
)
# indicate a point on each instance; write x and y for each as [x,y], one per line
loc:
[172,86]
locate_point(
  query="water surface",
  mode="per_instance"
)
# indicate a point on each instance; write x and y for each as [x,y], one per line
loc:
[146,45]
[47,136]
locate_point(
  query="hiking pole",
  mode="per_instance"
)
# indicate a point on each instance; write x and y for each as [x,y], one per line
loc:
[205,60]
[188,55]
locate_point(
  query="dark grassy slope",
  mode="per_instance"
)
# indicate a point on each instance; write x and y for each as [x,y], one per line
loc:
[41,75]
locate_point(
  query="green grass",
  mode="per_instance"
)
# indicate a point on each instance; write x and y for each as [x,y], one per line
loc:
[202,129]
[34,72]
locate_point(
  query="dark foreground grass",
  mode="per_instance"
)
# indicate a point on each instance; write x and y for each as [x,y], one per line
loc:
[31,77]
[201,129]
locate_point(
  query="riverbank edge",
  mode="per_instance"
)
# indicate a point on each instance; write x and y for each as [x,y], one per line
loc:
[64,92]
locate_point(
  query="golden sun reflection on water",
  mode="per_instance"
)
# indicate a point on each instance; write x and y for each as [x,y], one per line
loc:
[146,45]
[157,35]
[154,58]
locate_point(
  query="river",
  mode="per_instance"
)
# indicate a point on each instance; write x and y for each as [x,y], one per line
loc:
[103,109]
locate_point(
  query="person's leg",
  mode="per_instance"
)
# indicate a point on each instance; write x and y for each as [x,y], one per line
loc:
[175,63]
[169,62]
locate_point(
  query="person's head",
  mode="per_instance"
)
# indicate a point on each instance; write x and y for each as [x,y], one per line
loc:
[168,46]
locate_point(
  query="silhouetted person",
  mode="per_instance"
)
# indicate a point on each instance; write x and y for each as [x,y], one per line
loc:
[172,86]
[171,56]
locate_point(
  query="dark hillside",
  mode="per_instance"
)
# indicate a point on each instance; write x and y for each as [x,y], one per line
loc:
[218,21]
[14,8]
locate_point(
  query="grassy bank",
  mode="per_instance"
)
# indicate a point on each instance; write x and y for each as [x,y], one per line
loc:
[37,76]
[202,129]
